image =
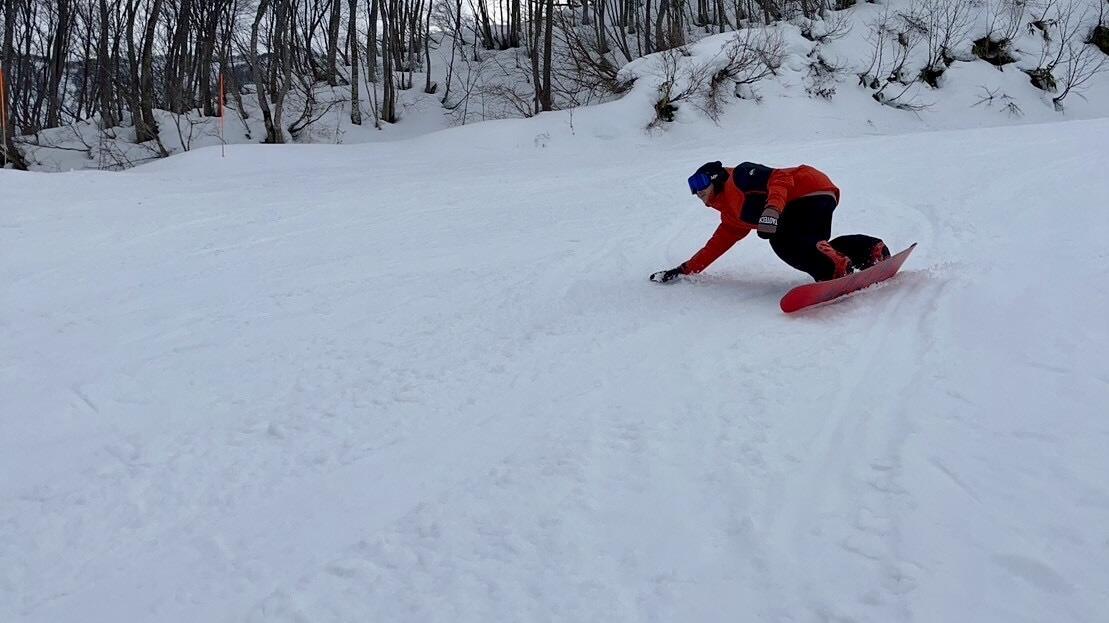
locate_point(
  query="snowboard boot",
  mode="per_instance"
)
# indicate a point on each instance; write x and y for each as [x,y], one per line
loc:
[878,253]
[841,264]
[863,251]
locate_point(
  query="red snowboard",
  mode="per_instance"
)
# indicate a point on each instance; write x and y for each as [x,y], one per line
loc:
[823,291]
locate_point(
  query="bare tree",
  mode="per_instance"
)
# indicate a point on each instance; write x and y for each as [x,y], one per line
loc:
[333,41]
[57,58]
[388,87]
[456,35]
[266,84]
[352,30]
[208,16]
[147,129]
[179,23]
[546,101]
[371,40]
[533,53]
[8,153]
[430,86]
[103,68]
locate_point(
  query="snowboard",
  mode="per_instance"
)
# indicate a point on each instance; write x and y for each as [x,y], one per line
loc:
[823,291]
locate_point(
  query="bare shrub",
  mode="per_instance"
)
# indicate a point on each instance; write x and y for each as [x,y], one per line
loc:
[1060,26]
[833,27]
[946,26]
[1099,34]
[893,39]
[997,52]
[1082,63]
[1004,23]
[1007,103]
[749,58]
[822,77]
[752,56]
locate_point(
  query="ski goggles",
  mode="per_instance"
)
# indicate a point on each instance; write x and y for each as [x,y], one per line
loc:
[699,182]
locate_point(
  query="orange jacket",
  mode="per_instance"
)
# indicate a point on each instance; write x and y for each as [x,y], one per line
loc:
[749,189]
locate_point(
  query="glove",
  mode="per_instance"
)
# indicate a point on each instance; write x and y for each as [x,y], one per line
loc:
[768,222]
[664,276]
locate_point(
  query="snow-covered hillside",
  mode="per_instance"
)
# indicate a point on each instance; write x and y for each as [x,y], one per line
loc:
[807,79]
[429,381]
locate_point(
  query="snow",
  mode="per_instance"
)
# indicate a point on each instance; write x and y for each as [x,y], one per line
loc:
[428,380]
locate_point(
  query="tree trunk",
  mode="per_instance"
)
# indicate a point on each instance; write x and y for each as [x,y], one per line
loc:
[29,119]
[175,73]
[548,40]
[660,34]
[352,32]
[514,33]
[230,83]
[260,75]
[147,128]
[677,24]
[602,35]
[206,55]
[388,90]
[103,71]
[455,34]
[486,27]
[428,87]
[131,94]
[283,52]
[333,42]
[58,54]
[371,41]
[8,153]
[536,77]
[84,92]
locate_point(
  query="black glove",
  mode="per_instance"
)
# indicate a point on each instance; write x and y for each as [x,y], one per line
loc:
[768,222]
[663,276]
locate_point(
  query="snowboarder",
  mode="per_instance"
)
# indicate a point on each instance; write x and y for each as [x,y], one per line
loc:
[792,207]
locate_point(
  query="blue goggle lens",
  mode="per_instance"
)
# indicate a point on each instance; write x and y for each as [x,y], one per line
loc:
[699,182]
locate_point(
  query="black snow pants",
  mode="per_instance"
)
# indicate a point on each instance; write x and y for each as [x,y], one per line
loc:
[807,221]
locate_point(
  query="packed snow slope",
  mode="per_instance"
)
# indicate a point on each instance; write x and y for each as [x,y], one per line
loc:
[430,381]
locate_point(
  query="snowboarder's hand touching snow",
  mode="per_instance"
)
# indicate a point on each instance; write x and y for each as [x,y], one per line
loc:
[664,276]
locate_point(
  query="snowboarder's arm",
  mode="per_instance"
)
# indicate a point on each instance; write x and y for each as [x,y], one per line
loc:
[778,188]
[722,239]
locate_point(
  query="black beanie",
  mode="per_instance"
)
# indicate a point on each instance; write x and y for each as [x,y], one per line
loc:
[716,173]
